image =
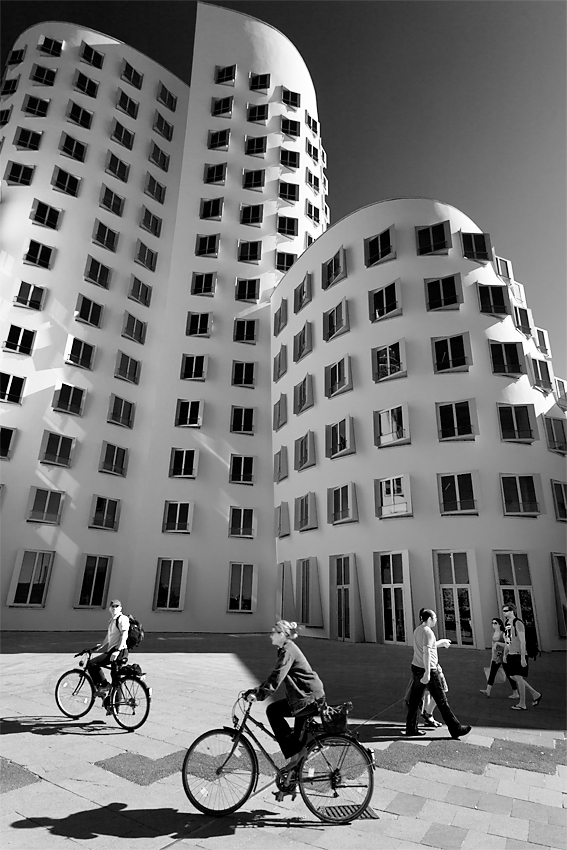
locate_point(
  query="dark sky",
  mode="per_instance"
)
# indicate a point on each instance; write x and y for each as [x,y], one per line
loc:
[460,100]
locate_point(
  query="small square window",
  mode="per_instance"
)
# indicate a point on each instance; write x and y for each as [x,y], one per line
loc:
[241,470]
[194,367]
[80,354]
[456,420]
[11,388]
[78,115]
[104,236]
[342,504]
[284,260]
[5,116]
[243,374]
[254,180]
[493,300]
[385,302]
[251,214]
[334,270]
[339,438]
[17,56]
[97,273]
[289,159]
[166,97]
[211,208]
[127,368]
[443,293]
[504,268]
[45,215]
[69,399]
[29,140]
[39,255]
[241,522]
[433,239]
[203,283]
[336,321]
[288,191]
[35,106]
[389,361]
[18,174]
[159,157]
[110,201]
[312,151]
[65,182]
[145,256]
[242,420]
[215,173]
[122,135]
[302,294]
[117,167]
[218,140]
[303,395]
[290,128]
[132,76]
[255,145]
[304,452]
[7,440]
[225,74]
[380,248]
[45,506]
[245,330]
[85,84]
[207,245]
[189,413]
[134,329]
[50,46]
[199,324]
[257,112]
[154,189]
[221,107]
[305,512]
[517,422]
[507,358]
[292,99]
[457,494]
[520,495]
[392,497]
[183,463]
[30,295]
[477,246]
[163,127]
[69,146]
[171,582]
[150,222]
[391,426]
[19,340]
[556,433]
[105,513]
[91,56]
[140,292]
[451,354]
[302,342]
[247,289]
[127,104]
[40,75]
[338,377]
[259,82]
[56,449]
[121,412]
[88,311]
[288,226]
[31,579]
[249,252]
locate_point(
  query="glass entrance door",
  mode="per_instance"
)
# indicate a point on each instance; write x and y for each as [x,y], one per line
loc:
[515,584]
[343,597]
[393,612]
[454,589]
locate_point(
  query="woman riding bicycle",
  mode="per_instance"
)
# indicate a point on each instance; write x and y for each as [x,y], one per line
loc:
[304,689]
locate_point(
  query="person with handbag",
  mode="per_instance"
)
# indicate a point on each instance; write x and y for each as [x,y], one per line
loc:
[497,660]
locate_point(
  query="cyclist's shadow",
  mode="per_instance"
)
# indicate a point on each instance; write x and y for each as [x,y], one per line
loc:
[56,726]
[117,820]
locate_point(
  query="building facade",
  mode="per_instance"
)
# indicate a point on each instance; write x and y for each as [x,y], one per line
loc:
[420,434]
[144,225]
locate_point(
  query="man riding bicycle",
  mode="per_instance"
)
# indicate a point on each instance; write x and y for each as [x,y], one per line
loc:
[113,648]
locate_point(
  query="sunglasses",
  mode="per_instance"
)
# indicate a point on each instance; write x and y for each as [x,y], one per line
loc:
[114,606]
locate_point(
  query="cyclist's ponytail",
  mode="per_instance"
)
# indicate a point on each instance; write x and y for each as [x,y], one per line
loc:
[289,629]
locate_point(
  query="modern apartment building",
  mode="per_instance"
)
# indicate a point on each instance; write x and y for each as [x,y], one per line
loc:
[145,223]
[420,434]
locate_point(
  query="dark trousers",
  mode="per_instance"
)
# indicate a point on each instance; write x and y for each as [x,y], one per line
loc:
[288,739]
[494,665]
[94,666]
[438,694]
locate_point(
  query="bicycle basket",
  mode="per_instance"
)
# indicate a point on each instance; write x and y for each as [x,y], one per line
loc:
[334,718]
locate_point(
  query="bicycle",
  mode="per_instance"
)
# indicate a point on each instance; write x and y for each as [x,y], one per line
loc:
[128,699]
[335,775]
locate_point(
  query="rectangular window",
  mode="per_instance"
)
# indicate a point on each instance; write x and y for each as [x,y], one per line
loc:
[519,495]
[242,420]
[393,497]
[121,412]
[159,157]
[98,274]
[30,295]
[127,369]
[302,294]
[117,167]
[29,140]
[50,46]
[433,239]
[243,374]
[183,463]
[507,358]
[94,582]
[39,255]
[339,438]
[280,464]
[280,363]
[45,506]
[35,106]
[65,182]
[105,513]
[312,151]
[289,159]
[171,581]
[85,84]
[245,330]
[31,579]
[20,340]
[338,377]
[385,302]
[280,317]
[199,324]
[288,226]
[305,512]
[542,375]
[288,191]
[5,116]
[522,320]
[503,268]
[18,174]
[309,593]
[456,494]
[77,115]
[113,459]
[110,201]
[280,412]
[194,367]
[342,504]
[218,140]
[559,489]
[132,76]
[304,451]
[56,449]
[88,311]
[517,422]
[311,123]
[69,399]
[391,426]
[215,173]
[477,246]
[145,256]
[493,300]
[303,395]
[259,82]
[251,214]
[451,354]
[255,145]
[312,212]
[154,189]
[284,260]
[254,179]
[221,106]
[134,328]
[150,222]
[380,248]
[127,104]
[168,99]
[203,283]
[91,56]
[207,246]
[291,99]
[11,388]
[241,588]
[247,289]
[249,252]
[241,470]
[104,236]
[334,270]
[122,135]
[312,181]
[556,432]
[81,354]
[443,293]
[211,208]
[455,420]
[281,520]
[16,57]
[39,74]
[241,522]
[189,413]
[290,128]
[6,442]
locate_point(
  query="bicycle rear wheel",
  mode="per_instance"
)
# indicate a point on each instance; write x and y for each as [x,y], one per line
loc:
[74,694]
[130,702]
[219,775]
[336,779]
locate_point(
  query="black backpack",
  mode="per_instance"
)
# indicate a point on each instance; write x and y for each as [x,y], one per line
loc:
[135,633]
[532,646]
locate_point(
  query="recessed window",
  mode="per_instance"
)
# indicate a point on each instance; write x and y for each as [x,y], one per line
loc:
[303,395]
[154,189]
[385,302]
[312,212]
[97,273]
[302,342]
[559,489]
[163,127]
[305,512]
[342,504]
[35,106]
[31,579]
[203,283]
[171,581]
[504,268]
[288,191]
[281,520]
[493,300]
[95,580]
[39,255]
[280,412]
[134,329]
[241,470]
[289,159]
[81,354]
[41,75]
[380,248]
[218,140]
[211,208]
[245,330]
[456,494]
[451,354]
[77,115]
[199,324]
[522,320]
[17,56]
[280,363]
[556,433]
[105,513]
[433,239]
[122,135]
[392,497]
[45,505]
[288,226]
[50,46]
[241,522]
[336,321]
[194,367]
[243,374]
[221,106]
[215,173]
[259,82]
[7,439]
[519,493]
[309,593]
[65,182]
[444,293]
[280,464]
[127,104]
[189,413]
[85,84]
[290,128]
[247,289]
[29,140]
[91,56]
[30,295]
[168,99]
[110,201]
[255,145]
[280,317]
[391,426]
[18,174]
[127,368]
[132,76]
[72,147]
[311,123]
[257,112]
[207,245]
[339,438]
[251,214]
[334,270]
[304,451]
[477,246]
[507,358]
[117,167]
[284,260]
[312,181]
[242,420]
[150,222]
[121,412]
[19,340]
[254,180]
[242,588]
[338,377]
[45,215]
[145,256]
[225,74]
[159,157]
[292,99]
[178,517]
[183,463]
[104,236]
[11,388]
[517,422]
[542,375]
[456,420]
[69,399]
[88,311]
[542,341]
[312,151]
[249,252]
[302,294]
[5,116]
[113,460]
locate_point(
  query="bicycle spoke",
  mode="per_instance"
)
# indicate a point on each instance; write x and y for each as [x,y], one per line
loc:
[336,779]
[218,777]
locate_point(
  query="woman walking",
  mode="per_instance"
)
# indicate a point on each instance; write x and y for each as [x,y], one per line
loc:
[498,644]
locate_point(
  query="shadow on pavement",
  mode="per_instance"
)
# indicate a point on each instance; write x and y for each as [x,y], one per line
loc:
[56,726]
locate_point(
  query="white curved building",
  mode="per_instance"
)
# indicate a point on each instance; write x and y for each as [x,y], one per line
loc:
[420,434]
[144,224]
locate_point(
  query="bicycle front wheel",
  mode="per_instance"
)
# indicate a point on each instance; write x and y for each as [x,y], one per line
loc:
[74,694]
[336,779]
[219,774]
[130,702]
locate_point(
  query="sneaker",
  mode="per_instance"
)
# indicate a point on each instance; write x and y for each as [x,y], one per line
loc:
[461,731]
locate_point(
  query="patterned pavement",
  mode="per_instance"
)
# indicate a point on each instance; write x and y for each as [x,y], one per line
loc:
[69,784]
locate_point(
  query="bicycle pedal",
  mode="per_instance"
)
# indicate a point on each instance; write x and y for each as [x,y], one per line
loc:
[279,795]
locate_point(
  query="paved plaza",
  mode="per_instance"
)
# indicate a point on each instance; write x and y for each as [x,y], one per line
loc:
[88,783]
